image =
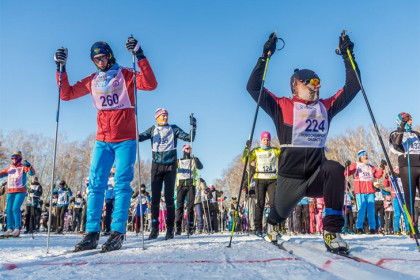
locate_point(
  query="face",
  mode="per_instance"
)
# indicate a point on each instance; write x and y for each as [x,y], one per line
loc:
[308,92]
[187,150]
[364,159]
[162,119]
[266,142]
[15,160]
[410,122]
[101,61]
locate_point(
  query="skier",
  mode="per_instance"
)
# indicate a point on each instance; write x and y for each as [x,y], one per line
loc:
[32,203]
[265,158]
[162,214]
[63,193]
[141,200]
[164,140]
[379,207]
[251,196]
[212,195]
[405,141]
[17,174]
[302,216]
[364,173]
[109,201]
[186,184]
[79,204]
[198,205]
[302,124]
[112,91]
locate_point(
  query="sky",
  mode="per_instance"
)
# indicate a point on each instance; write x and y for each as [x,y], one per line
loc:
[202,53]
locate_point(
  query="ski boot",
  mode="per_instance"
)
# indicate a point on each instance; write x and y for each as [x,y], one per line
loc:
[169,233]
[89,242]
[273,235]
[106,233]
[398,233]
[15,233]
[114,242]
[408,232]
[334,243]
[359,231]
[191,229]
[372,231]
[154,233]
[178,231]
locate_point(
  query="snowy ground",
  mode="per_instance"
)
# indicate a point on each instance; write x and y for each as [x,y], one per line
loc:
[207,257]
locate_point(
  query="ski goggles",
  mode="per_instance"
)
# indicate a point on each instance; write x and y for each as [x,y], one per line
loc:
[96,59]
[313,81]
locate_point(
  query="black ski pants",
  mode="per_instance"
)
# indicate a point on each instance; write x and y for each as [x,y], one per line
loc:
[61,212]
[415,184]
[327,181]
[160,174]
[185,189]
[30,219]
[351,221]
[77,219]
[263,187]
[302,218]
[379,211]
[109,208]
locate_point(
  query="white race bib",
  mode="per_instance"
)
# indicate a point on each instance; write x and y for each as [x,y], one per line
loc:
[163,139]
[266,164]
[185,169]
[109,91]
[310,125]
[411,141]
[364,171]
[14,178]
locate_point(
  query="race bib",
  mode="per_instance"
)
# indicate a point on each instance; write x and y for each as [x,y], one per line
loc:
[109,91]
[364,171]
[185,169]
[266,164]
[310,125]
[412,142]
[163,139]
[14,178]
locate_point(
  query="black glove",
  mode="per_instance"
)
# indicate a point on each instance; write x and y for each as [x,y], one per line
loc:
[248,144]
[26,163]
[193,121]
[383,164]
[348,163]
[133,46]
[344,43]
[60,57]
[270,45]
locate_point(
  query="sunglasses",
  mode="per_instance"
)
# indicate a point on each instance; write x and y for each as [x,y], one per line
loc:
[96,59]
[313,81]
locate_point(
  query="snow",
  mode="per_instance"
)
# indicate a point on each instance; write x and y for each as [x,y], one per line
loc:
[208,257]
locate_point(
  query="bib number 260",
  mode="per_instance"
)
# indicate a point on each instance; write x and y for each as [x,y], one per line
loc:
[109,100]
[314,126]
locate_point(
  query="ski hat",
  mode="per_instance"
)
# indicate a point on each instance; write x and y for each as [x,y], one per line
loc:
[211,187]
[17,154]
[103,48]
[62,183]
[79,193]
[87,180]
[159,112]
[361,153]
[265,134]
[185,147]
[302,75]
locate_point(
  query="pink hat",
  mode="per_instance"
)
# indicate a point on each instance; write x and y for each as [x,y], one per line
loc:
[265,134]
[211,187]
[159,112]
[186,147]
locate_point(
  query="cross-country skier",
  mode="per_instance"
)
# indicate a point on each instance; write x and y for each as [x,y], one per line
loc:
[109,202]
[112,90]
[78,206]
[63,193]
[364,174]
[265,158]
[406,141]
[17,174]
[186,188]
[302,124]
[32,203]
[164,138]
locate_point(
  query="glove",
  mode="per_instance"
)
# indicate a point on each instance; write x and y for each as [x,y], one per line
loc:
[270,45]
[248,144]
[383,164]
[133,46]
[193,122]
[60,57]
[344,43]
[348,163]
[26,163]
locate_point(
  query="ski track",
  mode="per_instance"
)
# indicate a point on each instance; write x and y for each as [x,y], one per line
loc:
[207,257]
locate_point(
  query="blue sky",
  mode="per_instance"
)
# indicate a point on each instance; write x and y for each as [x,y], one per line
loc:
[202,53]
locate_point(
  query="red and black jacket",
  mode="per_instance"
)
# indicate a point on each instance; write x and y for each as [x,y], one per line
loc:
[298,162]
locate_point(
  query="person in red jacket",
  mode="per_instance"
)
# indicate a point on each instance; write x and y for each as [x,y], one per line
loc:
[17,176]
[112,90]
[302,123]
[363,174]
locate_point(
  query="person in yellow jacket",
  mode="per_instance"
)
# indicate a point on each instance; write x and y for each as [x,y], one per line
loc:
[264,158]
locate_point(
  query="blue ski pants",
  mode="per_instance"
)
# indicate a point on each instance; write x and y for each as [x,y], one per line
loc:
[366,202]
[397,215]
[103,157]
[14,216]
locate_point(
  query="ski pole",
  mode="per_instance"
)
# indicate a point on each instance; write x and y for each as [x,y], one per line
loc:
[137,145]
[345,206]
[190,171]
[409,180]
[381,141]
[54,157]
[250,143]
